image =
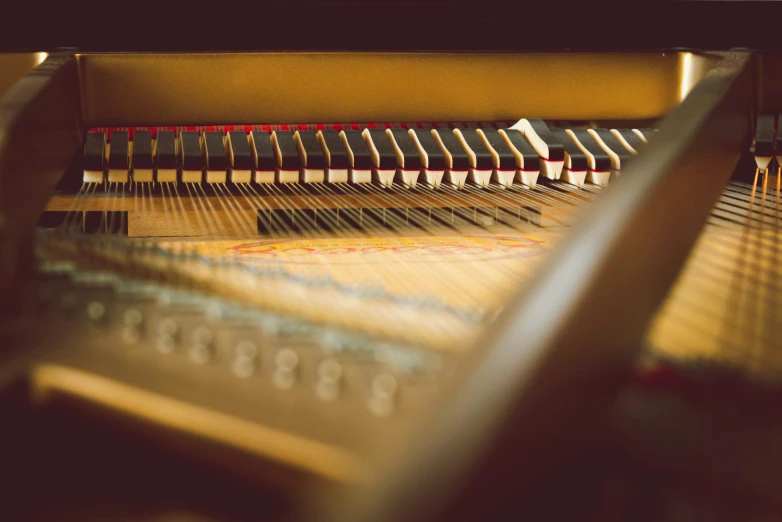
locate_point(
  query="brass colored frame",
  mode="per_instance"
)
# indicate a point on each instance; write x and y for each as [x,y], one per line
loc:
[333,87]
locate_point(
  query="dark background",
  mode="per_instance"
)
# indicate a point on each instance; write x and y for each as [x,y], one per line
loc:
[390,25]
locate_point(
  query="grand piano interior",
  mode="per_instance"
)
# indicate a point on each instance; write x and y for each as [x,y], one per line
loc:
[389,285]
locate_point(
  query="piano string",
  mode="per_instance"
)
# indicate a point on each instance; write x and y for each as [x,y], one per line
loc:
[725,307]
[395,249]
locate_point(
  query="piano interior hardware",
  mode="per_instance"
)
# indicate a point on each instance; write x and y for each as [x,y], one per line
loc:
[370,175]
[144,326]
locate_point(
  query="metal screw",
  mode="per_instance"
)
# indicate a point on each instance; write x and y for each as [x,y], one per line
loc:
[132,317]
[245,355]
[327,390]
[168,328]
[283,379]
[384,388]
[96,310]
[287,359]
[243,366]
[246,348]
[329,380]
[202,335]
[330,369]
